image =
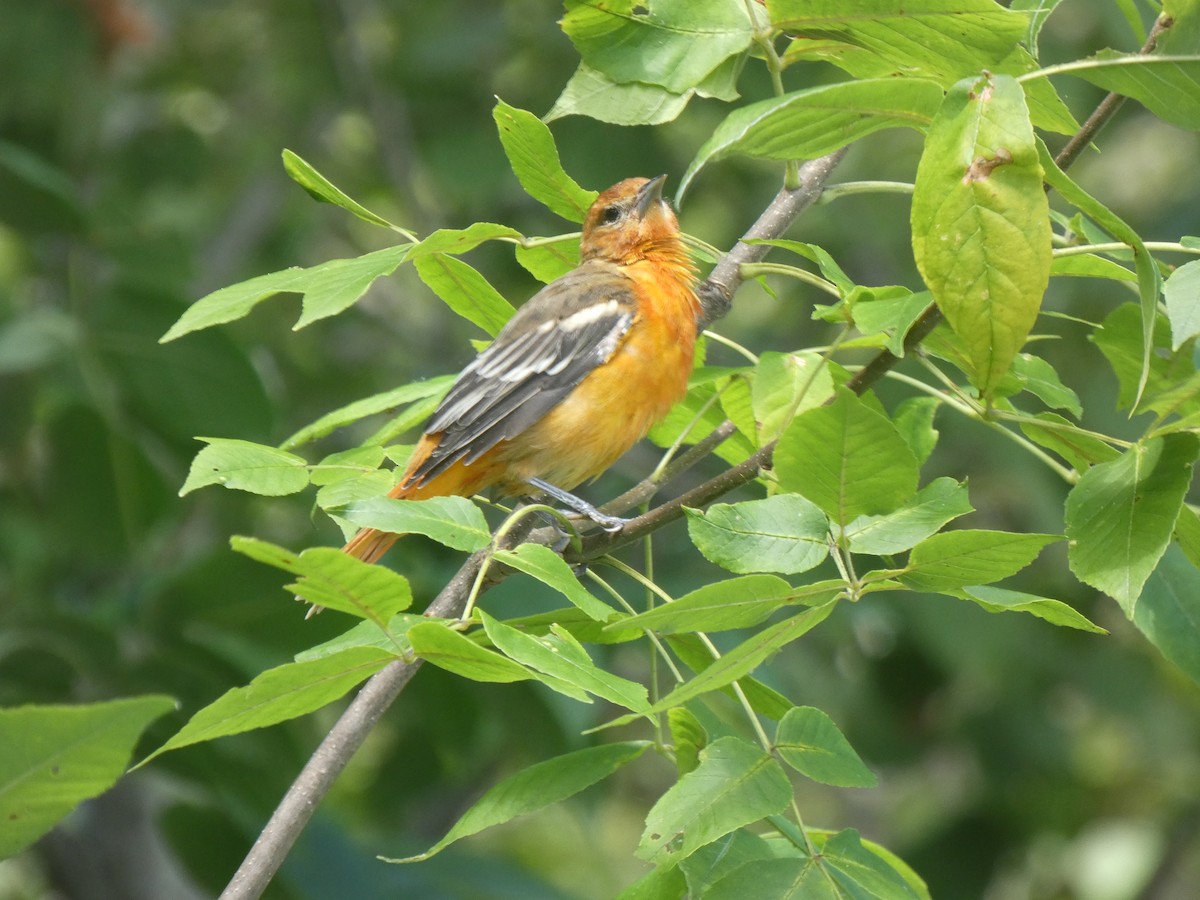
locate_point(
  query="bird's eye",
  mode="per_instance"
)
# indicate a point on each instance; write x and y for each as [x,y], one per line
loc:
[611,215]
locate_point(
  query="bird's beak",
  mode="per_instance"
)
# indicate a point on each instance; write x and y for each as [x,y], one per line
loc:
[649,194]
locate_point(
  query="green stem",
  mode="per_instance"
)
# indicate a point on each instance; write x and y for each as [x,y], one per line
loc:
[753,270]
[849,188]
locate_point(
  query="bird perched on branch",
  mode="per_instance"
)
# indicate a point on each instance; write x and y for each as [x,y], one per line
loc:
[577,376]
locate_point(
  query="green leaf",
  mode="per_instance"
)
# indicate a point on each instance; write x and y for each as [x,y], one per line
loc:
[844,869]
[939,502]
[52,758]
[1121,341]
[1182,292]
[980,222]
[738,662]
[656,884]
[914,420]
[734,603]
[847,459]
[784,533]
[593,94]
[460,240]
[537,787]
[393,637]
[328,289]
[1121,514]
[995,600]
[696,656]
[734,785]
[892,310]
[465,291]
[1149,279]
[330,578]
[453,521]
[321,188]
[246,466]
[548,261]
[279,694]
[561,657]
[688,736]
[1037,376]
[369,406]
[1168,611]
[448,649]
[713,861]
[530,149]
[1090,265]
[1056,433]
[809,741]
[675,44]
[954,559]
[1169,86]
[810,123]
[786,384]
[549,568]
[941,39]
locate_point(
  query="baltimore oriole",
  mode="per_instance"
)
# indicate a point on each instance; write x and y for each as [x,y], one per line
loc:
[577,376]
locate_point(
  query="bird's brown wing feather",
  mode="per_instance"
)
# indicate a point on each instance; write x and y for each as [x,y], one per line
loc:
[565,331]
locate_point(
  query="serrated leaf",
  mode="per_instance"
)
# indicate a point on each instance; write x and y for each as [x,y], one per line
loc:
[846,458]
[696,656]
[562,658]
[246,466]
[530,149]
[448,649]
[954,559]
[784,533]
[810,123]
[809,741]
[657,43]
[535,788]
[321,188]
[333,579]
[52,758]
[279,694]
[941,39]
[713,861]
[1182,293]
[1121,514]
[734,785]
[393,637]
[453,521]
[939,502]
[549,568]
[980,222]
[995,600]
[369,406]
[1038,377]
[734,603]
[465,291]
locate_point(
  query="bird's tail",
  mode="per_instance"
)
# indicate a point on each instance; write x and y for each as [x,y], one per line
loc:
[461,480]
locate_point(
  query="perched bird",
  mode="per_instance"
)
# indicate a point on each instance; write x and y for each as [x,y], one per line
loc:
[577,376]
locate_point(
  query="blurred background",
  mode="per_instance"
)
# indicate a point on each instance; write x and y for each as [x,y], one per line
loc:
[140,169]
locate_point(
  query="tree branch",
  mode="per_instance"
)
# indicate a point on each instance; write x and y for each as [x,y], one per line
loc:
[351,730]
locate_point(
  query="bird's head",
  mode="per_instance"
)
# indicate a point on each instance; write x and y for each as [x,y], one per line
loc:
[631,221]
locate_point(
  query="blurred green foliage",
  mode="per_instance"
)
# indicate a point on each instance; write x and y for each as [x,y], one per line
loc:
[140,169]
